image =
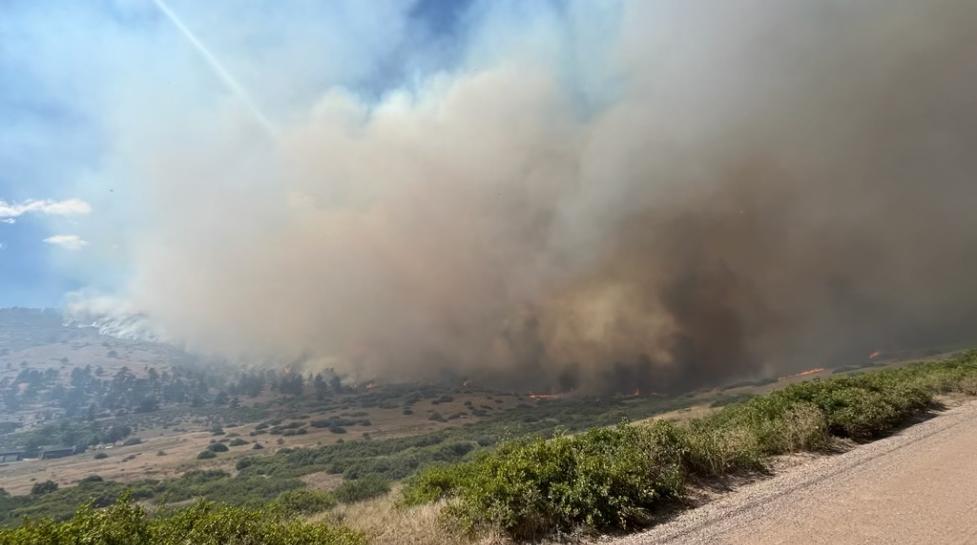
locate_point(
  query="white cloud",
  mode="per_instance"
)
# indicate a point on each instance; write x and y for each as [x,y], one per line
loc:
[3,245]
[69,207]
[68,242]
[10,221]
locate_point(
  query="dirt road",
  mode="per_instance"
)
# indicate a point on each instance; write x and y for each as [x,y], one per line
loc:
[916,487]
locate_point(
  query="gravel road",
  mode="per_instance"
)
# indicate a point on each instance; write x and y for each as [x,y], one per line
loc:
[916,487]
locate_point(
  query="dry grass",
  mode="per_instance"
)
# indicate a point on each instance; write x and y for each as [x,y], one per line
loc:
[124,464]
[386,523]
[322,480]
[969,386]
[681,415]
[182,447]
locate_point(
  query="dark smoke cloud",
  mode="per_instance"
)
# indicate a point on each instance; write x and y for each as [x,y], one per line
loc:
[766,186]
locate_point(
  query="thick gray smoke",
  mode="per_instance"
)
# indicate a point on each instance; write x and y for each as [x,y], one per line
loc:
[746,187]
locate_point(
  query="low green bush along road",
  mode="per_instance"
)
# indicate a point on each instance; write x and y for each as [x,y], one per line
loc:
[616,479]
[914,487]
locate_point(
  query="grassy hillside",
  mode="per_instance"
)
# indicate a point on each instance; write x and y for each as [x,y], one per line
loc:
[529,472]
[256,478]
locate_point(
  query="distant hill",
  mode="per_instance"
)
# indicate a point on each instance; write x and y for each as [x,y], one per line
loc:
[49,367]
[42,338]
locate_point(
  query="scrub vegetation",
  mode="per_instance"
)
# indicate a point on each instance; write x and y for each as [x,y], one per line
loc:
[615,479]
[540,470]
[125,523]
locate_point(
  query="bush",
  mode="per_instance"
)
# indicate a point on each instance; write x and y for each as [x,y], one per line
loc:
[713,450]
[361,489]
[604,478]
[453,451]
[220,486]
[100,456]
[206,455]
[304,502]
[237,442]
[125,523]
[43,487]
[741,437]
[132,441]
[217,447]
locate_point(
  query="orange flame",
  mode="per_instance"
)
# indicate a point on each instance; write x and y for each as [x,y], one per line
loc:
[874,355]
[814,371]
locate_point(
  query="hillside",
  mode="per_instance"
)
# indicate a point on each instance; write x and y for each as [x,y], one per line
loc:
[92,418]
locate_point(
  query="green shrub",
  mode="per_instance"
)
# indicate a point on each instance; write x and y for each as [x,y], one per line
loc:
[865,406]
[217,447]
[209,524]
[741,436]
[125,523]
[604,478]
[716,450]
[213,485]
[206,455]
[361,489]
[43,487]
[304,502]
[121,524]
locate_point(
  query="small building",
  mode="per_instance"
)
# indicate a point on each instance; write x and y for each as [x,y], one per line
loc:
[52,453]
[12,456]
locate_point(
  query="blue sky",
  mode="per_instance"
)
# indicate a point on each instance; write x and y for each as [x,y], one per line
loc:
[73,72]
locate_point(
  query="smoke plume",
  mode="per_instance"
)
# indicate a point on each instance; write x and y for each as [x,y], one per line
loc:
[665,195]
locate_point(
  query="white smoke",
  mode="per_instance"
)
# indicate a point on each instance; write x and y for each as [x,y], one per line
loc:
[651,193]
[111,316]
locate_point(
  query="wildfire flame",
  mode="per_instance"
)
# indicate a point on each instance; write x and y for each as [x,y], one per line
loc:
[808,372]
[545,396]
[874,355]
